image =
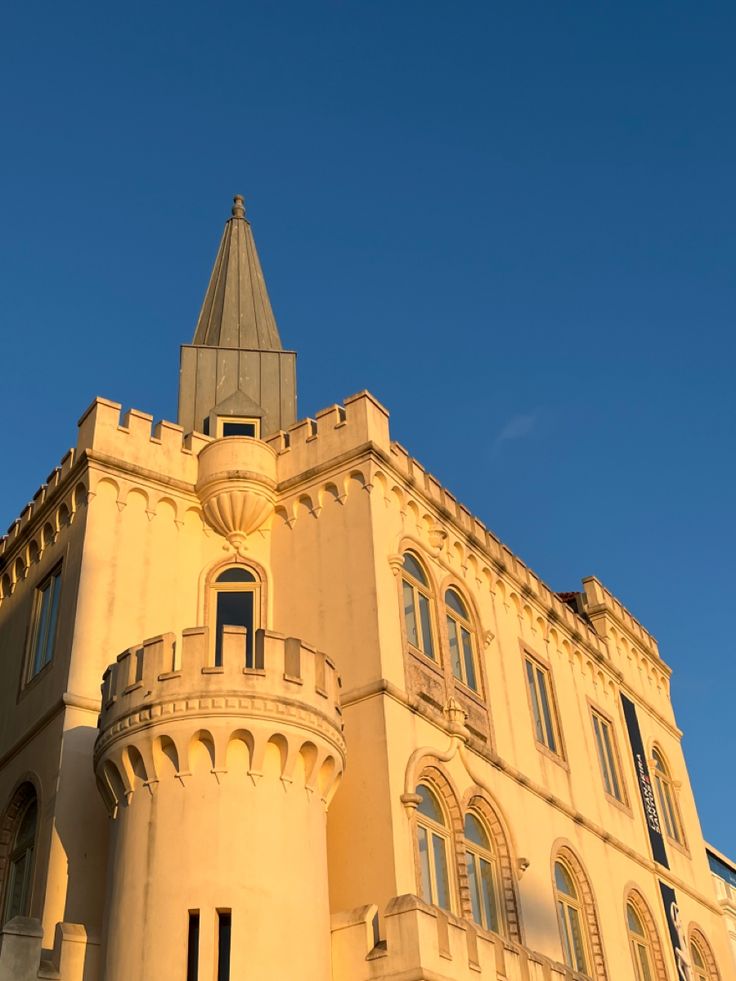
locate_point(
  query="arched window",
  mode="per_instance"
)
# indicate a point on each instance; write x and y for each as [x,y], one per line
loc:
[20,864]
[417,606]
[704,965]
[572,920]
[236,594]
[696,956]
[640,943]
[433,842]
[483,879]
[460,633]
[666,798]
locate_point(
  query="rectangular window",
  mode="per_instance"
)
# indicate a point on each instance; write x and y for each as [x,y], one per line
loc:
[45,614]
[224,931]
[543,713]
[607,757]
[238,426]
[235,609]
[193,946]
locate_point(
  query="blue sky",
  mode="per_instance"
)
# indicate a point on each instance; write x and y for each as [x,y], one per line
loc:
[513,223]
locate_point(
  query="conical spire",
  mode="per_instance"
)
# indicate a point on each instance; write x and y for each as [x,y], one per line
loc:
[236,368]
[236,312]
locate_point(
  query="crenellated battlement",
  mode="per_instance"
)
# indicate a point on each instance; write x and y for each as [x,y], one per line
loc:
[47,492]
[163,449]
[165,669]
[422,941]
[334,431]
[167,691]
[599,602]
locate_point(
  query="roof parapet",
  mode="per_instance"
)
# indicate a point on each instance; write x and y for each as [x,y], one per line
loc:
[424,941]
[599,602]
[166,669]
[336,430]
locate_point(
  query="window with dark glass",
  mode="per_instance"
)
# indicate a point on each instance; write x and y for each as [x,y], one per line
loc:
[20,865]
[224,932]
[45,615]
[417,603]
[193,946]
[238,426]
[236,591]
[461,638]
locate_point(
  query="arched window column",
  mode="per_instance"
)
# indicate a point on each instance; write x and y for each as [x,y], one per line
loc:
[437,832]
[701,957]
[578,921]
[18,834]
[417,605]
[477,802]
[434,847]
[669,811]
[462,640]
[644,942]
[234,595]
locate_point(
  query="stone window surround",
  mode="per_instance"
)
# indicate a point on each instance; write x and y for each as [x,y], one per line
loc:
[475,799]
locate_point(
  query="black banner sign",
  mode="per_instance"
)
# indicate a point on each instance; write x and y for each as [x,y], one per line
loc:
[677,934]
[656,840]
[643,780]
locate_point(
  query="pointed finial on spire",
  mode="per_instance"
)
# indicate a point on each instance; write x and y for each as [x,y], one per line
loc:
[238,206]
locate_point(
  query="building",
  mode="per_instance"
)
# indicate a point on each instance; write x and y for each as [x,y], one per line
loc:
[724,879]
[275,704]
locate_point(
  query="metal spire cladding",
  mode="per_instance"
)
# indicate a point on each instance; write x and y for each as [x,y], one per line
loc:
[236,367]
[237,311]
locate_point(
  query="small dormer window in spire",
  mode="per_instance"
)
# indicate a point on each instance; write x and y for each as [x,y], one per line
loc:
[238,426]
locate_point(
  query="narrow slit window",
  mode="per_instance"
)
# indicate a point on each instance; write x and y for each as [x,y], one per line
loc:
[224,934]
[193,946]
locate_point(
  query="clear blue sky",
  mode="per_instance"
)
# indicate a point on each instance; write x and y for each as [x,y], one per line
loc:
[514,223]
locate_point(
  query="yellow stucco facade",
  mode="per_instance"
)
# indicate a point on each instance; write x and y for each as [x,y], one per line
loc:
[275,704]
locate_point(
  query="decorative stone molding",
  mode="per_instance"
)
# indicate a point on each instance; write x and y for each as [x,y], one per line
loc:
[236,487]
[159,697]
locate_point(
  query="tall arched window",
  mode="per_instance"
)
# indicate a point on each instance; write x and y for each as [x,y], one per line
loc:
[20,864]
[666,798]
[572,920]
[704,965]
[433,842]
[461,637]
[236,605]
[417,606]
[696,956]
[640,943]
[483,879]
